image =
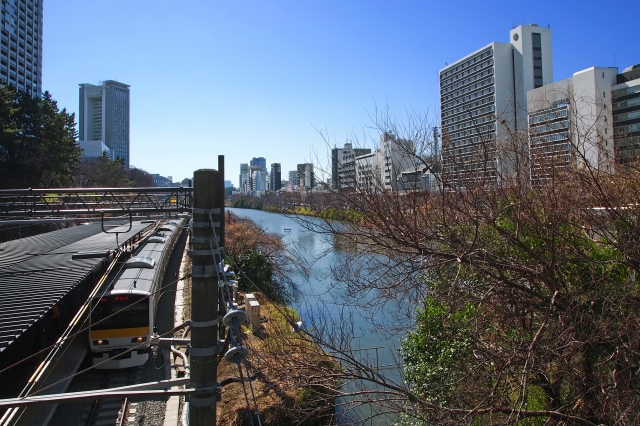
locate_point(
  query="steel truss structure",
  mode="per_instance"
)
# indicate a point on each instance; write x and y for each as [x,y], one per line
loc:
[92,201]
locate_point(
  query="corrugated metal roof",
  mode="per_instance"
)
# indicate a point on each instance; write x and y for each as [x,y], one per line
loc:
[36,272]
[15,251]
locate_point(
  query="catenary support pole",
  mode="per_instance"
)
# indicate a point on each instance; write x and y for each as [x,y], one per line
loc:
[204,296]
[222,309]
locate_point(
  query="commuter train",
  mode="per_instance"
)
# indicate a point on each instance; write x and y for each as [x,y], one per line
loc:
[136,289]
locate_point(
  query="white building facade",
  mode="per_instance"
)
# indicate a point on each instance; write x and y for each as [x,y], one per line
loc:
[343,166]
[104,116]
[571,125]
[626,115]
[483,105]
[94,149]
[398,155]
[369,171]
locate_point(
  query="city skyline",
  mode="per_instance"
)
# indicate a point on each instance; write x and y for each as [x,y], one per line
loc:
[266,80]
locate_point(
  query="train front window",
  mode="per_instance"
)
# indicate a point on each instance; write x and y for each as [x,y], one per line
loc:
[133,315]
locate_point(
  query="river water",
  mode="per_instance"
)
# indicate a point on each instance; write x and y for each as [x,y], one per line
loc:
[320,297]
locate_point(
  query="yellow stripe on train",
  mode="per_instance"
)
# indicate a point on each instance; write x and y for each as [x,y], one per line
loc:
[120,332]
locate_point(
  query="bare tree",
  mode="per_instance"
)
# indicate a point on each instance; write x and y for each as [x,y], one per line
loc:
[528,296]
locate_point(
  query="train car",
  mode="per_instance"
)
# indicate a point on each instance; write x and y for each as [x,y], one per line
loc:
[122,317]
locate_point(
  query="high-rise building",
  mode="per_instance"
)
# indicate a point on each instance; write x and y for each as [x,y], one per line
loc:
[21,49]
[483,105]
[276,177]
[570,124]
[104,116]
[626,115]
[244,178]
[293,178]
[369,171]
[305,176]
[259,162]
[398,155]
[258,180]
[382,169]
[590,119]
[343,166]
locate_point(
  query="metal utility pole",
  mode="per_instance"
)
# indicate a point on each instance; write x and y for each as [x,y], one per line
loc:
[208,205]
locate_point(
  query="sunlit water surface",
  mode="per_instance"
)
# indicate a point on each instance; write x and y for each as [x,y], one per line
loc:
[319,296]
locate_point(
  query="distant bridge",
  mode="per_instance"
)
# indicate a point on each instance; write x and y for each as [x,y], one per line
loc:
[30,203]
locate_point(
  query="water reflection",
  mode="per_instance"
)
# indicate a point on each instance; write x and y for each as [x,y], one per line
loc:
[329,308]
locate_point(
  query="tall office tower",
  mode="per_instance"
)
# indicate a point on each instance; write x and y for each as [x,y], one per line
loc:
[276,177]
[293,178]
[570,124]
[259,162]
[21,49]
[483,106]
[626,115]
[244,177]
[104,116]
[306,178]
[343,166]
[258,180]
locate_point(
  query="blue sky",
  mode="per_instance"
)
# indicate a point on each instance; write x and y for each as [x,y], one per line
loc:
[249,79]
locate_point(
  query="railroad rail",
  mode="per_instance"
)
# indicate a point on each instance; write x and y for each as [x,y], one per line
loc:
[112,410]
[91,201]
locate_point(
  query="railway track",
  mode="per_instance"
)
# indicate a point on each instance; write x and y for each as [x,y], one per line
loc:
[100,411]
[109,411]
[103,411]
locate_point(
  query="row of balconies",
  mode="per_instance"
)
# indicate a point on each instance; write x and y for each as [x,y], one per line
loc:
[460,94]
[463,66]
[467,81]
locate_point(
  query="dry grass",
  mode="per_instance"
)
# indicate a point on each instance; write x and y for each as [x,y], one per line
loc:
[278,359]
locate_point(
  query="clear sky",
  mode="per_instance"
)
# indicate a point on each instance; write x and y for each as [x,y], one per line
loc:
[245,78]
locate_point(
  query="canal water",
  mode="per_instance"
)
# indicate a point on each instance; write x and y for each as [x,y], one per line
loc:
[321,298]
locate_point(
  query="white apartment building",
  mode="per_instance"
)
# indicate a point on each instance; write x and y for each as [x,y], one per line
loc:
[343,166]
[305,178]
[104,116]
[571,124]
[369,171]
[398,155]
[21,45]
[483,106]
[381,169]
[625,96]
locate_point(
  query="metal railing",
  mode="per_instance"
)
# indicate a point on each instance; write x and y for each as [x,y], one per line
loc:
[91,201]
